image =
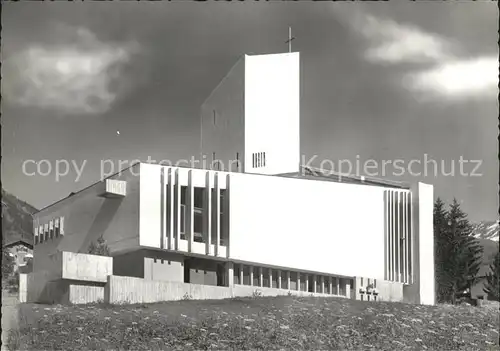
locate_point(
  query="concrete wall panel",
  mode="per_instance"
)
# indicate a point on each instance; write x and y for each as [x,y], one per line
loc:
[86,267]
[422,291]
[316,226]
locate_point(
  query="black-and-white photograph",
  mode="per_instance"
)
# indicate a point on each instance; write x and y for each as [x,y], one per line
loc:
[250,175]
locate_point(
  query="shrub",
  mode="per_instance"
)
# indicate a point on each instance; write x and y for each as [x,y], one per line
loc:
[99,249]
[187,297]
[256,293]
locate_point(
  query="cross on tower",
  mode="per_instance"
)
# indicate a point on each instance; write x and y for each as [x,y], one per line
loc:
[290,38]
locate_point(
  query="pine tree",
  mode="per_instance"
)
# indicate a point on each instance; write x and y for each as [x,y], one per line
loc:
[492,287]
[7,264]
[441,248]
[7,261]
[463,251]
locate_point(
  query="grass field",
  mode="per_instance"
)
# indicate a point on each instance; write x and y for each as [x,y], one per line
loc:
[280,323]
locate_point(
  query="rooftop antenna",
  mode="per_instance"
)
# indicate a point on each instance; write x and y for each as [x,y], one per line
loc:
[290,38]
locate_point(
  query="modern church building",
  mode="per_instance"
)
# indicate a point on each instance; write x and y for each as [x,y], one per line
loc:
[255,218]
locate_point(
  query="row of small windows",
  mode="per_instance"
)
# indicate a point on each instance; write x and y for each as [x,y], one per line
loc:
[258,159]
[52,229]
[272,278]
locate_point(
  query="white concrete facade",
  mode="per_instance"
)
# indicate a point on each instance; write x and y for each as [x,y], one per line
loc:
[263,229]
[319,229]
[267,225]
[256,103]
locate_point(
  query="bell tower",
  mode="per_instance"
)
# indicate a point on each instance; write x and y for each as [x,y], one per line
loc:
[251,121]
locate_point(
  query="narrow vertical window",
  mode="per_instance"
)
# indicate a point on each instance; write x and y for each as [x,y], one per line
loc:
[264,157]
[214,117]
[61,226]
[40,234]
[51,229]
[258,159]
[237,162]
[56,227]
[183,222]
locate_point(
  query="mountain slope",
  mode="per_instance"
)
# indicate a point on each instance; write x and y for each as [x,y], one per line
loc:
[17,224]
[487,234]
[487,230]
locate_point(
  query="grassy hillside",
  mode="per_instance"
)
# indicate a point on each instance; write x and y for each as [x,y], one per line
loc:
[16,219]
[280,323]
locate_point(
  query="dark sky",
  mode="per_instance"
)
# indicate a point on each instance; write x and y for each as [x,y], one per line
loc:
[89,81]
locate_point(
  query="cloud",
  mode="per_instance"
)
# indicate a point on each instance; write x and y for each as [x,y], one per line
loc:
[447,75]
[79,76]
[459,78]
[392,42]
[397,43]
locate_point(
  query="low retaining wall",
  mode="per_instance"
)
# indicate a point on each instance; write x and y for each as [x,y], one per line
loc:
[83,294]
[137,290]
[38,288]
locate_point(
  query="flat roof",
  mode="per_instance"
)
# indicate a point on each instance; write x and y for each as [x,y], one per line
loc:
[313,173]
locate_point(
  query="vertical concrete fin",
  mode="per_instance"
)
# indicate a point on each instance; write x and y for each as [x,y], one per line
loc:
[216,216]
[398,236]
[251,275]
[207,211]
[177,233]
[386,236]
[170,209]
[405,236]
[162,208]
[241,274]
[190,211]
[390,234]
[227,215]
